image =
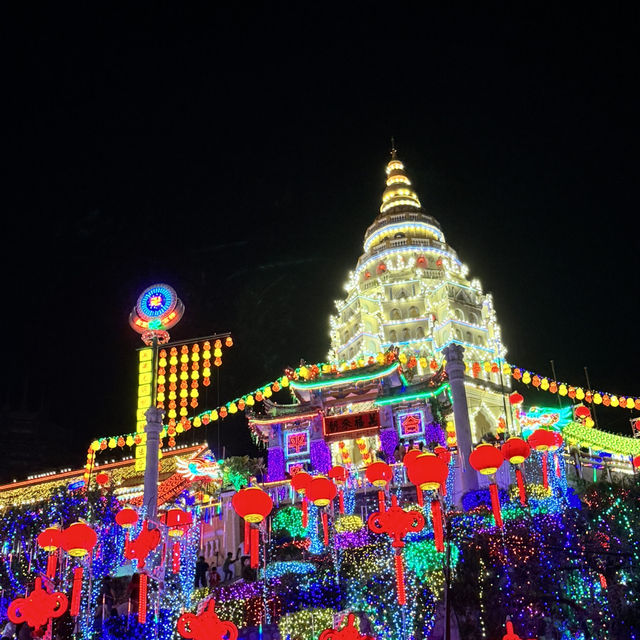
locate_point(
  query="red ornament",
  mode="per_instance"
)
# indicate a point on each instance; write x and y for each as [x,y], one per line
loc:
[516,451]
[50,539]
[515,398]
[339,475]
[76,591]
[636,462]
[38,607]
[348,632]
[143,545]
[428,472]
[102,478]
[582,412]
[542,440]
[206,625]
[79,539]
[443,454]
[486,459]
[321,491]
[301,481]
[410,457]
[177,522]
[379,474]
[253,504]
[127,517]
[511,634]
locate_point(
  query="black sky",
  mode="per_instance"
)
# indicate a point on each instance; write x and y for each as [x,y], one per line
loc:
[240,158]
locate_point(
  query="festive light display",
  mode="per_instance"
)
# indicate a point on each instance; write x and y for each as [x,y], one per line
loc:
[486,459]
[38,607]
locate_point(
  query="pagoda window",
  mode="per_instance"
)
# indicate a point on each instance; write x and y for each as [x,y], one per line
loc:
[405,334]
[473,318]
[419,332]
[458,335]
[392,335]
[469,337]
[395,314]
[346,336]
[459,315]
[402,295]
[413,312]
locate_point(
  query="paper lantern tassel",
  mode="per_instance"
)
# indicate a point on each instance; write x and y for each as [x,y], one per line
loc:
[52,564]
[420,496]
[76,591]
[495,504]
[545,473]
[175,557]
[402,598]
[341,501]
[255,547]
[382,507]
[325,528]
[305,513]
[521,490]
[247,537]
[142,599]
[436,516]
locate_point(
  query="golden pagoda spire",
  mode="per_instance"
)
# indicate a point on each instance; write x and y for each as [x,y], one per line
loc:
[398,192]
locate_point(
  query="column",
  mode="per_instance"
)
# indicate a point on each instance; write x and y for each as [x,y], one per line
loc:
[152,429]
[454,353]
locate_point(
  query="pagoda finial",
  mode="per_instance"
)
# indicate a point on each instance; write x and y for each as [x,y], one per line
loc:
[394,153]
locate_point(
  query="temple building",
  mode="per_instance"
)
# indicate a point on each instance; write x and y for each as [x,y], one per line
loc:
[409,300]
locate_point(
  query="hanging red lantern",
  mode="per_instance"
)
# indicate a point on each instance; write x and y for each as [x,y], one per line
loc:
[38,607]
[206,625]
[102,478]
[582,412]
[79,539]
[486,459]
[396,522]
[300,483]
[515,398]
[177,522]
[348,632]
[443,453]
[544,440]
[636,462]
[339,475]
[379,474]
[253,505]
[516,451]
[50,540]
[429,473]
[410,457]
[321,493]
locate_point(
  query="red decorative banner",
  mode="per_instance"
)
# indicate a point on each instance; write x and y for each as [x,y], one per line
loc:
[351,423]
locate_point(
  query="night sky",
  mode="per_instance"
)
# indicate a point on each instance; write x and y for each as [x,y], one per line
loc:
[242,164]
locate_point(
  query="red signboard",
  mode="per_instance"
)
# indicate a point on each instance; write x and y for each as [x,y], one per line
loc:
[351,422]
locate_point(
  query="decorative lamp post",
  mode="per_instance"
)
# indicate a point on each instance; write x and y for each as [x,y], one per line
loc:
[486,459]
[253,505]
[300,484]
[321,493]
[379,474]
[516,451]
[339,475]
[429,473]
[158,309]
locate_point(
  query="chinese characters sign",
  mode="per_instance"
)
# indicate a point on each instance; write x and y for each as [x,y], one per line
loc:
[351,422]
[410,424]
[297,443]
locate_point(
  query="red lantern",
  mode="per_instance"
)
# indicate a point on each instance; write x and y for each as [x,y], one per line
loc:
[339,475]
[253,505]
[321,492]
[38,607]
[79,539]
[177,522]
[410,457]
[486,459]
[102,478]
[127,517]
[443,454]
[516,451]
[50,540]
[348,632]
[543,440]
[582,412]
[300,483]
[397,522]
[379,474]
[515,398]
[636,462]
[206,625]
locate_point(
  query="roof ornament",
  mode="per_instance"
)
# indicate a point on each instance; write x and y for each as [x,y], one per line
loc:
[394,153]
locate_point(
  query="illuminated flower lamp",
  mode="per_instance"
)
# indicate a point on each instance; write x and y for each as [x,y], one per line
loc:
[253,505]
[516,451]
[157,310]
[429,473]
[102,479]
[206,625]
[379,474]
[300,484]
[543,440]
[515,399]
[396,522]
[321,493]
[486,459]
[127,518]
[38,607]
[348,632]
[177,521]
[339,475]
[581,412]
[50,540]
